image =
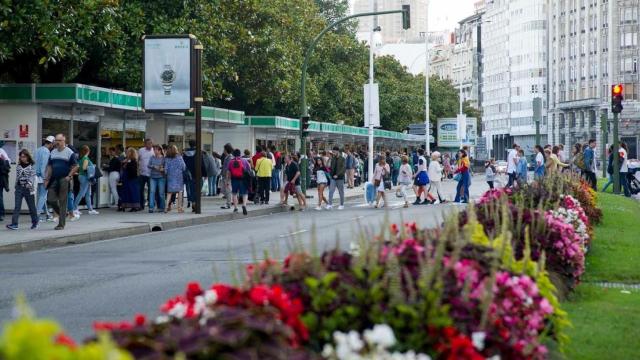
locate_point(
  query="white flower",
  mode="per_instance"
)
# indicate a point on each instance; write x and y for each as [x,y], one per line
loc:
[381,335]
[199,305]
[210,297]
[355,342]
[162,319]
[478,338]
[178,311]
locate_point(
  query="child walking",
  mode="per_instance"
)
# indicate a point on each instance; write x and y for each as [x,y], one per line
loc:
[490,172]
[25,180]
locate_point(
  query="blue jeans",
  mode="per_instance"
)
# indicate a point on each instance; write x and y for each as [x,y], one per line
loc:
[462,190]
[191,190]
[70,198]
[1,203]
[85,192]
[609,182]
[157,186]
[23,193]
[213,185]
[394,176]
[275,180]
[624,183]
[42,199]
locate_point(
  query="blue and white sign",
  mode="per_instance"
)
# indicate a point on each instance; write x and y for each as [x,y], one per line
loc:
[448,135]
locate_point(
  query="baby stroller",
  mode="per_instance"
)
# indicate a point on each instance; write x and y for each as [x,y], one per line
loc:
[633,177]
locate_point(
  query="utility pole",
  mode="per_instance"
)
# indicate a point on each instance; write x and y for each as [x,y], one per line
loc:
[370,120]
[427,119]
[537,114]
[604,137]
[616,160]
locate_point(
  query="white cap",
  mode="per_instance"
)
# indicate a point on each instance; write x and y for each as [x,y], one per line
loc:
[50,139]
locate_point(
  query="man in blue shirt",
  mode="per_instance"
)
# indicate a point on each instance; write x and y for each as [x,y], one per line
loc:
[63,164]
[42,160]
[589,172]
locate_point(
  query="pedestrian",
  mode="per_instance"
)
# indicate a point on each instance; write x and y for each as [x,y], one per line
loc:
[624,168]
[395,168]
[338,168]
[189,158]
[539,163]
[63,163]
[5,169]
[212,164]
[490,172]
[553,164]
[522,168]
[322,178]
[131,182]
[144,154]
[239,168]
[350,166]
[463,181]
[609,168]
[292,186]
[589,171]
[512,165]
[157,179]
[577,164]
[435,179]
[86,174]
[381,171]
[277,169]
[421,179]
[174,168]
[227,155]
[113,169]
[42,159]
[25,188]
[264,170]
[405,178]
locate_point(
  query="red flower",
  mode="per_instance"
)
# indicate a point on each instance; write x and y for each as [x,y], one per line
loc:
[139,320]
[193,290]
[259,295]
[63,339]
[227,295]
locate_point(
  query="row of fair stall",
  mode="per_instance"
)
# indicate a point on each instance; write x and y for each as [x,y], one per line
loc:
[102,118]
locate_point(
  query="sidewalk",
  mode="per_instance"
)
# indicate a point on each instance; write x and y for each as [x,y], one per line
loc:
[110,224]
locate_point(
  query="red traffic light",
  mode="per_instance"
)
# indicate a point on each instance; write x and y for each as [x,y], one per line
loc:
[617,89]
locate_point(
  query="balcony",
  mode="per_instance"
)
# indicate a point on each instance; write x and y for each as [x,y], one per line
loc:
[582,103]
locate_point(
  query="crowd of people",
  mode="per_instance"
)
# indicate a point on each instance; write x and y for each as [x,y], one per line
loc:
[551,159]
[60,177]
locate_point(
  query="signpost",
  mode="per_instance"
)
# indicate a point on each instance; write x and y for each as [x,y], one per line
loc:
[172,82]
[450,136]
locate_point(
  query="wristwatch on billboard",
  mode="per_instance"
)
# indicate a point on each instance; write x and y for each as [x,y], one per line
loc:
[167,77]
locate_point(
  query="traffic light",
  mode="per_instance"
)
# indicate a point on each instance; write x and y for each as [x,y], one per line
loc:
[304,126]
[406,16]
[616,98]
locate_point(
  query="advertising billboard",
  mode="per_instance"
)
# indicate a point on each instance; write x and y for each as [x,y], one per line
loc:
[167,73]
[448,135]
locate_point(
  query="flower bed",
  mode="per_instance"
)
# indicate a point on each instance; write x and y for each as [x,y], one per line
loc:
[480,286]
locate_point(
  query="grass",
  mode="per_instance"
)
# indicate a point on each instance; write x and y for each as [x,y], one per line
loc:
[605,320]
[605,323]
[615,252]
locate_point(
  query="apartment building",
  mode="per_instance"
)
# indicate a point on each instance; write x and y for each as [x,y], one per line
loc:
[592,45]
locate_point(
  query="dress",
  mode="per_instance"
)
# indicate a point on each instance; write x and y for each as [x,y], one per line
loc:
[130,185]
[174,167]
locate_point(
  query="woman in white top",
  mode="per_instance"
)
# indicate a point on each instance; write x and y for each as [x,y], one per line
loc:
[322,179]
[405,178]
[382,170]
[435,178]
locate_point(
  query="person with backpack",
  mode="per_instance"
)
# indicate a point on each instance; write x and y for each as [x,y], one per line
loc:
[86,174]
[25,189]
[589,157]
[238,174]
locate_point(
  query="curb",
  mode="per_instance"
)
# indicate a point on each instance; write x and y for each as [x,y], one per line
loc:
[65,240]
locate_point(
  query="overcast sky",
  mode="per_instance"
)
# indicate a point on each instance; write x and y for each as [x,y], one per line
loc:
[445,14]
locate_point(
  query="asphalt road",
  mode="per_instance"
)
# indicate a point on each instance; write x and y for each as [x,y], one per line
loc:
[114,279]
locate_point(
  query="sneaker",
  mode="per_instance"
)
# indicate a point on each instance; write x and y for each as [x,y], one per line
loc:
[12,227]
[93,212]
[329,207]
[341,207]
[75,217]
[225,207]
[436,202]
[59,227]
[235,210]
[244,210]
[34,226]
[76,213]
[318,208]
[417,202]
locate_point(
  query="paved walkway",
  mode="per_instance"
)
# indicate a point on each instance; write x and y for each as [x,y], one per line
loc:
[110,224]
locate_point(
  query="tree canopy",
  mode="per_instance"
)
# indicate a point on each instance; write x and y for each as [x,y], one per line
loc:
[253,54]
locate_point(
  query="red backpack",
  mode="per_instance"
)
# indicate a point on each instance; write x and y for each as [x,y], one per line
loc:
[237,170]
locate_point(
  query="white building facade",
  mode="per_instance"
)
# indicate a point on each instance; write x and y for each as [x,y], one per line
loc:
[466,65]
[514,58]
[593,44]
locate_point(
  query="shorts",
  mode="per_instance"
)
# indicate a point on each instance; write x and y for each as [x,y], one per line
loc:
[238,186]
[298,189]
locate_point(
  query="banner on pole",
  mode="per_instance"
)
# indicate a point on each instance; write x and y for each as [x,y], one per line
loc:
[371,113]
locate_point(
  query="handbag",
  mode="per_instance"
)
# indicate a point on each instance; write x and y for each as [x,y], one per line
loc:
[457,177]
[376,182]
